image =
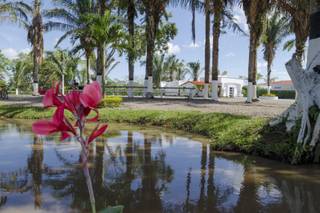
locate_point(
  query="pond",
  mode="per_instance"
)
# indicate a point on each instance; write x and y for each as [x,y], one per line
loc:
[146,170]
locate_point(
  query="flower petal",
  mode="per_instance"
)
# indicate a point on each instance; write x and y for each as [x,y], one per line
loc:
[44,127]
[97,132]
[72,101]
[64,135]
[91,95]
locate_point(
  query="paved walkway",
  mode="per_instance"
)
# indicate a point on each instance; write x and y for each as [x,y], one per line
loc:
[264,108]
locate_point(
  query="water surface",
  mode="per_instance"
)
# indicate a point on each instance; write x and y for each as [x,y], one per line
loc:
[146,171]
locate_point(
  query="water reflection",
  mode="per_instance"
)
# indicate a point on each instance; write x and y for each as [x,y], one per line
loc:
[146,171]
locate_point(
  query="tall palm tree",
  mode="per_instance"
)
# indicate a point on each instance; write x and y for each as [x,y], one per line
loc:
[299,13]
[276,29]
[255,12]
[223,18]
[154,10]
[207,48]
[194,70]
[68,16]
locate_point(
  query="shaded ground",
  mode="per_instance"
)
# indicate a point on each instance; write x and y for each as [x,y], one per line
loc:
[264,108]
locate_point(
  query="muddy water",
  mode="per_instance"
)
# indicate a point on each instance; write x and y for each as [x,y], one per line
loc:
[146,170]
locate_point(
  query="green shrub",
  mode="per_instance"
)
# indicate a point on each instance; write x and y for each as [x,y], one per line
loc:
[111,101]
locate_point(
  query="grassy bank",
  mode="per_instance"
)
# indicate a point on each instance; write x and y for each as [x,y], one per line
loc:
[226,132]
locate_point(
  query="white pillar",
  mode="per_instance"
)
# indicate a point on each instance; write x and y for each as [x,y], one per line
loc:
[130,89]
[206,91]
[249,92]
[17,91]
[35,89]
[254,92]
[214,90]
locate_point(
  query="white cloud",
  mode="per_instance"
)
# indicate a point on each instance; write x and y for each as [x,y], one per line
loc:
[230,54]
[173,48]
[192,45]
[12,53]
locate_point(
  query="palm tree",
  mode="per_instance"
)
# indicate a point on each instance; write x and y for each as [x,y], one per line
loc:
[255,12]
[207,48]
[194,70]
[299,13]
[154,10]
[106,32]
[275,31]
[175,68]
[68,16]
[35,28]
[223,17]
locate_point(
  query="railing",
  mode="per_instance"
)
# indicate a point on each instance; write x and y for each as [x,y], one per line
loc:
[138,91]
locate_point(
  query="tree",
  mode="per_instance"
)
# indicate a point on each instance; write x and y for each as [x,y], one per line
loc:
[298,11]
[106,32]
[175,68]
[35,28]
[154,10]
[22,73]
[194,70]
[207,48]
[303,115]
[64,62]
[276,29]
[69,16]
[255,12]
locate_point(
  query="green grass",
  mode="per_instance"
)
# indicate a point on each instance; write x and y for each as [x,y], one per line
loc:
[226,132]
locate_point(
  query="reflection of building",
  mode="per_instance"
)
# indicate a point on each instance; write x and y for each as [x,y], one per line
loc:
[282,85]
[228,87]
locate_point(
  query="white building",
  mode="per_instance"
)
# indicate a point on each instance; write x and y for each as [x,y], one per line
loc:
[227,87]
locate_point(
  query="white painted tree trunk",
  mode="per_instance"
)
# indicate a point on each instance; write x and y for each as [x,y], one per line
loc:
[99,79]
[214,90]
[269,89]
[254,92]
[17,91]
[249,92]
[35,89]
[307,84]
[62,84]
[145,90]
[149,88]
[130,89]
[206,91]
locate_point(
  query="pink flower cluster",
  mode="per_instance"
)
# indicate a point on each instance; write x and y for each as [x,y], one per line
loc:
[80,104]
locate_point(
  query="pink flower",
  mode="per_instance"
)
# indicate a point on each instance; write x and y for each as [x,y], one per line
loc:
[51,98]
[97,132]
[57,124]
[91,95]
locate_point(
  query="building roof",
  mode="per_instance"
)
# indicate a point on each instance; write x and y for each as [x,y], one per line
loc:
[288,82]
[197,83]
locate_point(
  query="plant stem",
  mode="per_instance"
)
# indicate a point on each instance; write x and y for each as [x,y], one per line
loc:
[84,158]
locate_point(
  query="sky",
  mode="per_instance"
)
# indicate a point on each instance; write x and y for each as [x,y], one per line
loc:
[234,47]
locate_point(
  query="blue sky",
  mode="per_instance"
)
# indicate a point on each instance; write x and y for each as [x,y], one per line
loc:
[234,47]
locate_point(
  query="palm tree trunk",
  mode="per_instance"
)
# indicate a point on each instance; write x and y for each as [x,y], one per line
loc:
[207,50]
[252,66]
[131,57]
[151,33]
[37,42]
[268,78]
[88,68]
[215,51]
[101,67]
